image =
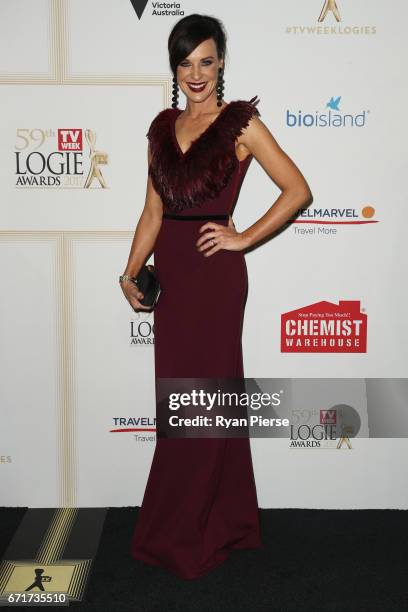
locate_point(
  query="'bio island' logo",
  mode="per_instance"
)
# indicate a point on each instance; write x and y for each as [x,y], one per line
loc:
[333,118]
[57,159]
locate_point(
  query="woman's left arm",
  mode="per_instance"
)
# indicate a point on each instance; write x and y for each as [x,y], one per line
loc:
[258,140]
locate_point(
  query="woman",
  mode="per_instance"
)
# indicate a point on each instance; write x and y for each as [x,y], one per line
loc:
[200,500]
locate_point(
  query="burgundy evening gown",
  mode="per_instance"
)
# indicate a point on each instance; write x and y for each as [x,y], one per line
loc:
[200,499]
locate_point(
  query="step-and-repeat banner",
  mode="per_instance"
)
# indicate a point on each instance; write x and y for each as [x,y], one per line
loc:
[80,83]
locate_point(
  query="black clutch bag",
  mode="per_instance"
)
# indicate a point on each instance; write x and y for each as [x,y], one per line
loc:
[148,283]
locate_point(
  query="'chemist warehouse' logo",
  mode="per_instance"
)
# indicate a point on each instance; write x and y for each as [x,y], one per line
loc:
[333,118]
[324,327]
[59,158]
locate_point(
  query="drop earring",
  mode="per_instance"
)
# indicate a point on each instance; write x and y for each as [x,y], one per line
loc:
[220,86]
[175,93]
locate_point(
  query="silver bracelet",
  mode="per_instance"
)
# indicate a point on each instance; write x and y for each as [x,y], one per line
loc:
[126,277]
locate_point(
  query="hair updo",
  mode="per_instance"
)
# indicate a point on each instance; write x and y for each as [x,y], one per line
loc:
[191,31]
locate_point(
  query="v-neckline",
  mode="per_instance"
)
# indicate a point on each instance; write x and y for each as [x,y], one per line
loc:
[182,153]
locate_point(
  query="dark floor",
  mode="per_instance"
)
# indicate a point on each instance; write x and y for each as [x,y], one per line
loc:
[321,560]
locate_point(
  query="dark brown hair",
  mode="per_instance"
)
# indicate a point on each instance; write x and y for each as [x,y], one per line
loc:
[191,31]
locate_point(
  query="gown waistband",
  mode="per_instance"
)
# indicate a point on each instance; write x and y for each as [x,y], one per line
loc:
[193,217]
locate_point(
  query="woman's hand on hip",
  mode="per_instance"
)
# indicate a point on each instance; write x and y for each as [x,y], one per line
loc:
[216,237]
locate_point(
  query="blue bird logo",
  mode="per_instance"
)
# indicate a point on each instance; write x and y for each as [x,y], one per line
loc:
[334,103]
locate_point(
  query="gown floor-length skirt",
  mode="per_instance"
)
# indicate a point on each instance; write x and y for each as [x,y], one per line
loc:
[200,499]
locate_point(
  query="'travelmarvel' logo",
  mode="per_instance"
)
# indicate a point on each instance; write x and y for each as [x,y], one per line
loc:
[324,327]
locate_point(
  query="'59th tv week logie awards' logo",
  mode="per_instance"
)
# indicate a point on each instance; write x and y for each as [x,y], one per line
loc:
[65,158]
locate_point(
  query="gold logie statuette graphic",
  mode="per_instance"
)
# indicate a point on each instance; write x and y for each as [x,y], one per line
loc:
[97,158]
[345,437]
[329,5]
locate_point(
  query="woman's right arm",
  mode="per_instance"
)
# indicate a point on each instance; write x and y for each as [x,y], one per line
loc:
[144,240]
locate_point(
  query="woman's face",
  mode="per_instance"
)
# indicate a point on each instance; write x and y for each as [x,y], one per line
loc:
[200,68]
